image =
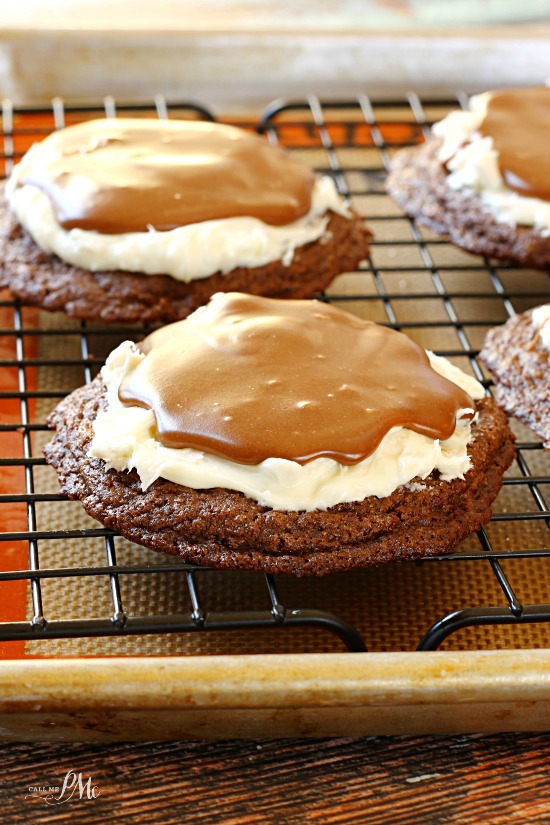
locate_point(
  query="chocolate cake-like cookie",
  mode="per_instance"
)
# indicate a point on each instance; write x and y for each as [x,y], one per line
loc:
[417,181]
[43,280]
[284,436]
[226,529]
[521,369]
[142,220]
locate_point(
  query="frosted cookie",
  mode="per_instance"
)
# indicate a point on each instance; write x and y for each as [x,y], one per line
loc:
[518,355]
[483,177]
[283,436]
[139,220]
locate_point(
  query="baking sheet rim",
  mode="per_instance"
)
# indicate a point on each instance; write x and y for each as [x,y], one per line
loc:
[271,695]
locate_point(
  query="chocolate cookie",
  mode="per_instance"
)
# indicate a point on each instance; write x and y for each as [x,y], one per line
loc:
[44,280]
[167,213]
[521,368]
[417,181]
[226,529]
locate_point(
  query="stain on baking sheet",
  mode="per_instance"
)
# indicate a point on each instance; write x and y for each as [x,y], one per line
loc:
[13,515]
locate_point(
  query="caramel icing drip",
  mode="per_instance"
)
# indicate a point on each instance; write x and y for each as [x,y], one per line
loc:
[518,120]
[133,175]
[249,378]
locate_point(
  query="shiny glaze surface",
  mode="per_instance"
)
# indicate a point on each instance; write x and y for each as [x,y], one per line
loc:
[518,121]
[137,175]
[249,378]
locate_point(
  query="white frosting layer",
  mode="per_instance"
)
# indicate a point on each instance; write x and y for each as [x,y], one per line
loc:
[124,439]
[187,253]
[473,165]
[541,321]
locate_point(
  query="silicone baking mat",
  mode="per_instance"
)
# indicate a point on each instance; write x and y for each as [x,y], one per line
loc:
[68,587]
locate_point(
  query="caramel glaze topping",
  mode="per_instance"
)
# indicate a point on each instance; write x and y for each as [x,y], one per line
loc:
[130,175]
[247,378]
[518,120]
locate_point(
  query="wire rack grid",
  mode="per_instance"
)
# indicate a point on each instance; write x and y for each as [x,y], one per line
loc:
[413,281]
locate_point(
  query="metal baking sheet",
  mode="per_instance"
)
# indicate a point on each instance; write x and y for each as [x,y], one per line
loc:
[100,638]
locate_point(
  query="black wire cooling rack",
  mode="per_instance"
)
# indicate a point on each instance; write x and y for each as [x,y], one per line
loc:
[353,141]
